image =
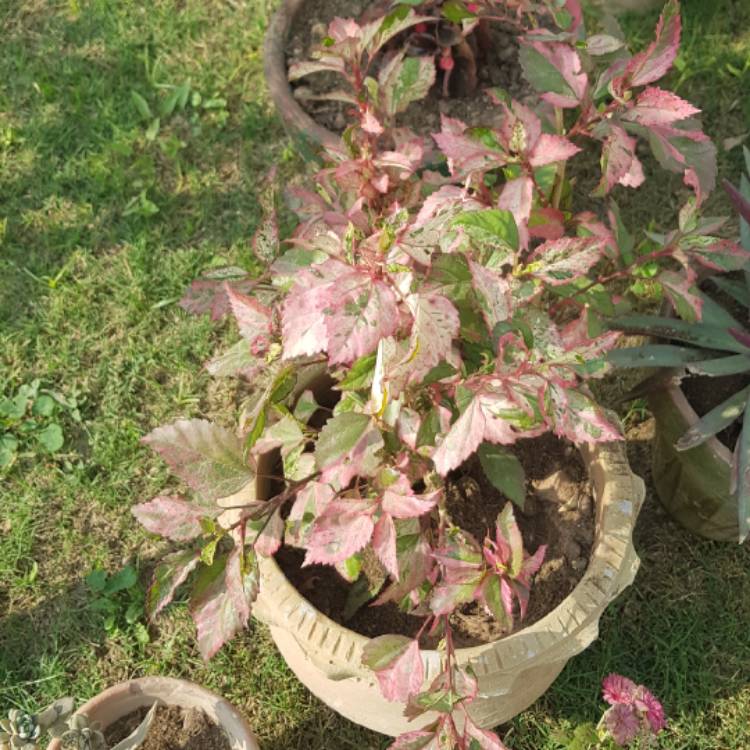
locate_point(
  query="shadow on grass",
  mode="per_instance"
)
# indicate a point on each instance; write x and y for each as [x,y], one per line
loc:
[78,172]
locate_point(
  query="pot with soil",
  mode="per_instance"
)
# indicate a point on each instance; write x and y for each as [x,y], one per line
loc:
[190,717]
[314,115]
[589,503]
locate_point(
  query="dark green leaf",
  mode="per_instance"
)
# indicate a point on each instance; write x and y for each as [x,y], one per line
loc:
[505,472]
[360,374]
[51,438]
[455,11]
[125,578]
[715,421]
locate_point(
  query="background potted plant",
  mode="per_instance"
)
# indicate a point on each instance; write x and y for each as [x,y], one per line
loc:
[126,716]
[418,321]
[701,454]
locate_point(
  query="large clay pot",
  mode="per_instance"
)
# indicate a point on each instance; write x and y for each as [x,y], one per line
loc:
[307,135]
[512,672]
[126,697]
[693,485]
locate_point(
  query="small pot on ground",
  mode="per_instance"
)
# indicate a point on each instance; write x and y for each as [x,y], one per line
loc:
[693,485]
[512,672]
[127,697]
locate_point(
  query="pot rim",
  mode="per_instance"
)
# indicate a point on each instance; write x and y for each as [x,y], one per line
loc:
[156,686]
[616,513]
[275,68]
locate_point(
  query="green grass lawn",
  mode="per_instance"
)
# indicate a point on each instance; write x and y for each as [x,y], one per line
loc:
[105,217]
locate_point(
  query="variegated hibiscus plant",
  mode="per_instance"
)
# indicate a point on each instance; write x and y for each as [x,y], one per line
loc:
[454,301]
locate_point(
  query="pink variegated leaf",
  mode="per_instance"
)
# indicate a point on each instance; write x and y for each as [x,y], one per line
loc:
[267,539]
[555,71]
[325,63]
[172,517]
[532,563]
[679,289]
[208,457]
[620,165]
[207,295]
[547,223]
[345,527]
[400,501]
[384,544]
[618,689]
[397,664]
[656,60]
[578,418]
[242,578]
[303,317]
[407,427]
[467,151]
[435,326]
[422,739]
[347,447]
[715,253]
[172,571]
[446,597]
[481,739]
[215,598]
[370,123]
[509,540]
[415,563]
[491,598]
[550,149]
[493,293]
[518,197]
[561,261]
[655,106]
[253,318]
[363,316]
[309,504]
[462,440]
[404,80]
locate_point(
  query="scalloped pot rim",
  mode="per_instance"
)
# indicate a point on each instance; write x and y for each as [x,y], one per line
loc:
[512,672]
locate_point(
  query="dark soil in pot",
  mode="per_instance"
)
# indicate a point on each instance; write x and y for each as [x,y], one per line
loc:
[173,728]
[500,68]
[558,512]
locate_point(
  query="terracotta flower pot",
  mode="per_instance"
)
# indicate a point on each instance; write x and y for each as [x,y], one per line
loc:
[122,699]
[693,485]
[307,135]
[512,672]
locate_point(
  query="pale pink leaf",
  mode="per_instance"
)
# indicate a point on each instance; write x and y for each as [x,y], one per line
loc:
[208,295]
[208,457]
[493,292]
[620,165]
[370,123]
[400,501]
[679,290]
[420,739]
[656,60]
[172,571]
[466,152]
[268,541]
[485,739]
[214,602]
[561,261]
[345,527]
[555,71]
[656,106]
[618,689]
[253,318]
[517,197]
[384,544]
[397,664]
[462,439]
[550,149]
[362,317]
[171,517]
[242,578]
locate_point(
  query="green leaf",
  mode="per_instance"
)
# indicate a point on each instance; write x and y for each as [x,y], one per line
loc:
[134,612]
[405,80]
[43,406]
[153,129]
[455,11]
[257,429]
[655,355]
[360,374]
[339,435]
[715,421]
[8,447]
[125,578]
[141,105]
[491,225]
[96,580]
[283,386]
[542,74]
[505,472]
[51,438]
[743,472]
[209,550]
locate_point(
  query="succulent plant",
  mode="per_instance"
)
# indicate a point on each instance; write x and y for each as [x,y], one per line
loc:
[20,731]
[83,734]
